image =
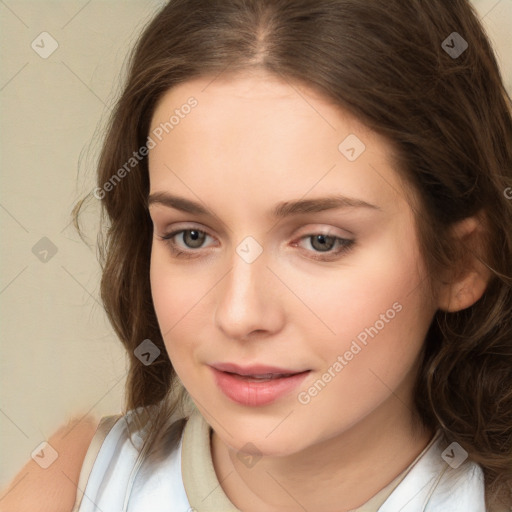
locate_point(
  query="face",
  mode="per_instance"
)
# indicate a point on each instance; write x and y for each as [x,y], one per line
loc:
[333,292]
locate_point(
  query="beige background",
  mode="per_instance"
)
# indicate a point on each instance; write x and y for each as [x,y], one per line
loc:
[59,357]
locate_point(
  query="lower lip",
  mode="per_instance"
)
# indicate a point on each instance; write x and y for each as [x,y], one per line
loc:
[249,393]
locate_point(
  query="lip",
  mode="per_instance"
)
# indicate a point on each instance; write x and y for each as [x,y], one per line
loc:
[238,389]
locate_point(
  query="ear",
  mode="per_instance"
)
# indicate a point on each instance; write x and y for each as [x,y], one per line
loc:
[469,283]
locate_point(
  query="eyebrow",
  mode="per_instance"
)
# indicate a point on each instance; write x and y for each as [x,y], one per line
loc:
[280,211]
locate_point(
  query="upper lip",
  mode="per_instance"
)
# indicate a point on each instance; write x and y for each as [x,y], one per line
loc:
[255,369]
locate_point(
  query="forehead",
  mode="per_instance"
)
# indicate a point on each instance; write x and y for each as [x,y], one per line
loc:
[262,133]
[255,91]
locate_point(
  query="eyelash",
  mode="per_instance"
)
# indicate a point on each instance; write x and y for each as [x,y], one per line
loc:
[346,245]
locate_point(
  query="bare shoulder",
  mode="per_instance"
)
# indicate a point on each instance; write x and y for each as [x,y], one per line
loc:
[53,489]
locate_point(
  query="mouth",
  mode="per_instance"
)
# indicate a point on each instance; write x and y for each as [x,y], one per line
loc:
[250,386]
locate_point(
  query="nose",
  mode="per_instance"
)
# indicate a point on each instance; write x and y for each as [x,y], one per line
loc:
[249,303]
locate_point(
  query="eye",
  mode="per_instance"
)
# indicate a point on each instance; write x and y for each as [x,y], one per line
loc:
[324,243]
[192,238]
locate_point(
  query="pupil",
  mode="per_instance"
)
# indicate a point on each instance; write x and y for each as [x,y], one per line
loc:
[195,238]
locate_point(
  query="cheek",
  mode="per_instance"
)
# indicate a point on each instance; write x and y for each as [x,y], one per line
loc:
[373,313]
[163,288]
[351,296]
[180,298]
[377,343]
[173,287]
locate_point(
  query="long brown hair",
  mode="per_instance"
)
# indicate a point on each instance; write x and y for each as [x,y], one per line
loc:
[398,67]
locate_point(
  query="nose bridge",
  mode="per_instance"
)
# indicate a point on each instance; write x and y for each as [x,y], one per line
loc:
[248,269]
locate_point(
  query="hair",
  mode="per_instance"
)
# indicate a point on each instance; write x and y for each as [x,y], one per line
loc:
[449,122]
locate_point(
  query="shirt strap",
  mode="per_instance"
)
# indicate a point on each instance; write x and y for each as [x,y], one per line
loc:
[105,425]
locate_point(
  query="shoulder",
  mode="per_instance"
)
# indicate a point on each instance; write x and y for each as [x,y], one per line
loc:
[459,482]
[442,479]
[138,458]
[53,489]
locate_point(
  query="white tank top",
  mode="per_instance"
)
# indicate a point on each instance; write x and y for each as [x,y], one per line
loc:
[119,482]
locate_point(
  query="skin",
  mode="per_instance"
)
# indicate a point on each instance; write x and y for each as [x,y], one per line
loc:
[252,142]
[54,488]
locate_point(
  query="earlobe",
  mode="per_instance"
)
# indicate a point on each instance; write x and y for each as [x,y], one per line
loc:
[463,294]
[470,282]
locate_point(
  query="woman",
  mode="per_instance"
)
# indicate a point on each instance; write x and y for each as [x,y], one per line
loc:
[309,237]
